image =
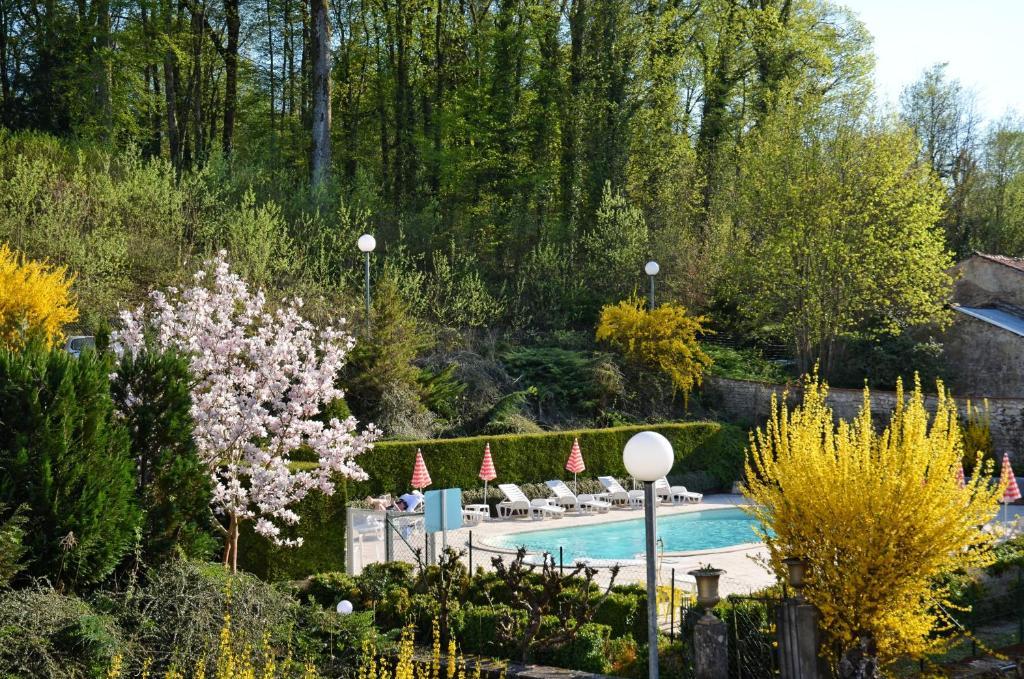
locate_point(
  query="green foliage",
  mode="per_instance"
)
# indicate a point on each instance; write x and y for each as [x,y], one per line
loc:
[323,540]
[44,633]
[327,589]
[12,531]
[881,360]
[613,251]
[383,385]
[976,431]
[842,239]
[66,457]
[151,392]
[568,384]
[585,652]
[744,364]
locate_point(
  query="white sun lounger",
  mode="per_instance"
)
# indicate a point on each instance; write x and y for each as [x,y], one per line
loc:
[581,503]
[674,494]
[615,493]
[515,501]
[541,508]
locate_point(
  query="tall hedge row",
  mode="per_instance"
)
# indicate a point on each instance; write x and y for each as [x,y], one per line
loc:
[533,458]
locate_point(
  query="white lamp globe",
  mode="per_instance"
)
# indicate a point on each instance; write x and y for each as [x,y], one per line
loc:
[648,456]
[367,242]
[344,607]
[652,268]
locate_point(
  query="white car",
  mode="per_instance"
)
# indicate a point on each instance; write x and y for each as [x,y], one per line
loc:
[79,343]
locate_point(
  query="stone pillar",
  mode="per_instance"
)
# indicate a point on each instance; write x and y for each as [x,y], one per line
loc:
[798,640]
[711,648]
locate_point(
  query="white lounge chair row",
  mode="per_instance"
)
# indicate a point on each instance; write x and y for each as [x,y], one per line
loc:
[516,502]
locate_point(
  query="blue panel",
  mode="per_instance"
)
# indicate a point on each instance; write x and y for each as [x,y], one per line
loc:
[432,517]
[996,317]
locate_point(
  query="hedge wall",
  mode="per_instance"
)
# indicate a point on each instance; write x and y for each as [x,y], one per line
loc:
[534,458]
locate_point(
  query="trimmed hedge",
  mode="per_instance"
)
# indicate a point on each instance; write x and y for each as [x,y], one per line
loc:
[534,458]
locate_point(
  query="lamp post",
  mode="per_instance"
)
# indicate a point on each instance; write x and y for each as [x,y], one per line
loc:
[652,269]
[648,456]
[366,244]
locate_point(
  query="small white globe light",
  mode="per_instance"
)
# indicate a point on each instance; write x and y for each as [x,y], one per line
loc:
[648,456]
[652,268]
[367,242]
[344,607]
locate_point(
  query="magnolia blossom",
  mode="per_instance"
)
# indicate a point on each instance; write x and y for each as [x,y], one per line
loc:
[261,379]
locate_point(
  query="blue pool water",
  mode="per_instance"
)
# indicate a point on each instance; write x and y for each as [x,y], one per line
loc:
[625,539]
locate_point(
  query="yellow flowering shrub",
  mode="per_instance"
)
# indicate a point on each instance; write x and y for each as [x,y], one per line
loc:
[403,666]
[35,299]
[878,516]
[664,338]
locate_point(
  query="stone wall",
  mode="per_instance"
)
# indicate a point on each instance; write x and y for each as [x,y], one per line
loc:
[749,402]
[982,282]
[983,359]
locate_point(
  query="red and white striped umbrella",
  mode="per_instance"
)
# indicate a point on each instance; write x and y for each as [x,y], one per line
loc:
[575,463]
[420,475]
[487,471]
[1012,492]
[960,478]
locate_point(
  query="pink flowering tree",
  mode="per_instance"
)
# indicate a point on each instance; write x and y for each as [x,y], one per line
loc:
[262,378]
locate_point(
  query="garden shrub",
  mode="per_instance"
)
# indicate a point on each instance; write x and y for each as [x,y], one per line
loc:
[35,300]
[151,391]
[327,589]
[697,482]
[12,531]
[47,634]
[182,608]
[585,652]
[65,456]
[475,626]
[744,364]
[624,613]
[331,641]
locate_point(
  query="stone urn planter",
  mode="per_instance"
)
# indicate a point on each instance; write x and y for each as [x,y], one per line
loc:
[707,586]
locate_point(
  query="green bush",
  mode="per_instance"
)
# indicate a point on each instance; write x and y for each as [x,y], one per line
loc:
[535,458]
[12,531]
[585,652]
[475,626]
[65,456]
[151,391]
[744,364]
[327,589]
[625,613]
[47,634]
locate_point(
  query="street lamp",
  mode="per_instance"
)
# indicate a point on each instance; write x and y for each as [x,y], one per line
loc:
[344,607]
[367,243]
[652,269]
[648,456]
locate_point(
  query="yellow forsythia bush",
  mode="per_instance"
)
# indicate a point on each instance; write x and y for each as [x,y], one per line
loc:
[35,299]
[878,516]
[664,338]
[375,666]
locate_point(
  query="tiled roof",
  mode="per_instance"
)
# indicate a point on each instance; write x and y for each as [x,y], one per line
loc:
[1012,262]
[997,317]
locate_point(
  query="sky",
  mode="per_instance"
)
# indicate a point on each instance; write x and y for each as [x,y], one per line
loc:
[982,40]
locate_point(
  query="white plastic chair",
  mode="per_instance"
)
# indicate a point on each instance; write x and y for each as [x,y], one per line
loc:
[541,508]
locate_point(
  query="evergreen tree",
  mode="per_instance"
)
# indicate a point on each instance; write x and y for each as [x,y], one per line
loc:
[65,457]
[151,391]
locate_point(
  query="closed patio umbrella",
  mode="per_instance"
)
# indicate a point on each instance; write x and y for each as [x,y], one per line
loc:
[1012,492]
[575,463]
[487,471]
[420,475]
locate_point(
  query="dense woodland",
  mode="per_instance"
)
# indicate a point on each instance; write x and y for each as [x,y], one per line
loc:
[517,160]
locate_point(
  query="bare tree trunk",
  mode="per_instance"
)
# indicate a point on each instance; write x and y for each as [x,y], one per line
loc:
[231,74]
[321,159]
[230,544]
[170,89]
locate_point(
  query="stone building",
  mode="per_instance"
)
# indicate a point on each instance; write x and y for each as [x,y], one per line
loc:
[984,348]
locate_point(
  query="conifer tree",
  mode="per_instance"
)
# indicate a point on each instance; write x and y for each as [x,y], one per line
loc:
[65,457]
[151,391]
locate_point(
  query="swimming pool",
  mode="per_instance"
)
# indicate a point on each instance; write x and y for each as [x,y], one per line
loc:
[686,532]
